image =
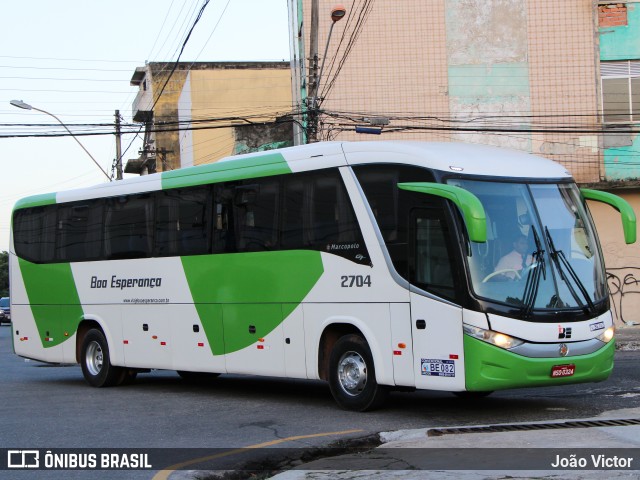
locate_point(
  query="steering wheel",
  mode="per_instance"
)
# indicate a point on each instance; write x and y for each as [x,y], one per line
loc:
[499,272]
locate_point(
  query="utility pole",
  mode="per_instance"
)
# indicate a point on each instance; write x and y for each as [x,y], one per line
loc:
[312,108]
[119,175]
[337,13]
[162,153]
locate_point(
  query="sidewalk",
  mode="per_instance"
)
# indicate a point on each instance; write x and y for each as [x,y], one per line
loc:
[628,338]
[408,454]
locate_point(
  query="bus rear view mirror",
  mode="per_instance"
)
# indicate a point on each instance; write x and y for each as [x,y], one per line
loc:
[626,211]
[472,210]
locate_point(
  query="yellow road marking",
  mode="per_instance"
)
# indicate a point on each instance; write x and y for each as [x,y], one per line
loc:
[164,474]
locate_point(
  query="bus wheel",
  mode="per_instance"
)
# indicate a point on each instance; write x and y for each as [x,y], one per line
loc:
[95,361]
[198,377]
[352,375]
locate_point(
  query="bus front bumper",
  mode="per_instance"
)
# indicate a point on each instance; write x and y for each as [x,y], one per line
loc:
[489,368]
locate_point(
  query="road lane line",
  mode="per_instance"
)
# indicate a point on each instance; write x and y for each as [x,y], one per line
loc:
[164,474]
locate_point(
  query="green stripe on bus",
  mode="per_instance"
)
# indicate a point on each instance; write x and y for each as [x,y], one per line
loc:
[54,300]
[36,201]
[258,289]
[252,167]
[489,368]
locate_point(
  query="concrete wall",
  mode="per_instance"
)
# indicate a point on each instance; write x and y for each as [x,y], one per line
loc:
[235,95]
[185,109]
[619,28]
[620,40]
[166,110]
[259,94]
[521,64]
[622,261]
[487,64]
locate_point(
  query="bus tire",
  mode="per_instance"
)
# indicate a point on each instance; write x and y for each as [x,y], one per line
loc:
[96,362]
[352,375]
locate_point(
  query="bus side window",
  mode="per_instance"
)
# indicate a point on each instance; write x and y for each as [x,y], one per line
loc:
[183,222]
[332,220]
[391,206]
[34,233]
[223,222]
[79,231]
[128,227]
[332,225]
[294,221]
[256,206]
[431,264]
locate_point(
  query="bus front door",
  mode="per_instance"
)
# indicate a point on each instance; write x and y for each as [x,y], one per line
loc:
[437,344]
[436,322]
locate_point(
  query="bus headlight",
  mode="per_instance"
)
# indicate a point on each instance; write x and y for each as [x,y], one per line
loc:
[494,338]
[607,335]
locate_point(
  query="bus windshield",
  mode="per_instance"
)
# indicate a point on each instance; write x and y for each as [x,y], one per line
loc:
[541,250]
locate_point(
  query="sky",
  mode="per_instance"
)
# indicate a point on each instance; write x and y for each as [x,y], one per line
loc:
[75,58]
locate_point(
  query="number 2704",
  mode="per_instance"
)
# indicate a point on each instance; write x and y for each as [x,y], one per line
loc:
[349,281]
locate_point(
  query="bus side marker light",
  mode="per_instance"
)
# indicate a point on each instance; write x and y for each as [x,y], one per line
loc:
[66,334]
[260,347]
[397,352]
[453,357]
[402,345]
[126,342]
[201,344]
[163,343]
[261,340]
[155,337]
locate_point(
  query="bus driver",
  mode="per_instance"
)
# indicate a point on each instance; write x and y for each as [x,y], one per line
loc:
[516,260]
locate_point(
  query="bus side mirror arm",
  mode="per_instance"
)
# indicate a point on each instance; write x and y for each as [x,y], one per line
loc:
[626,211]
[472,210]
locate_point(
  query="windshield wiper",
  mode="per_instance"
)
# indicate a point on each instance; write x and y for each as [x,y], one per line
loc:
[533,277]
[560,260]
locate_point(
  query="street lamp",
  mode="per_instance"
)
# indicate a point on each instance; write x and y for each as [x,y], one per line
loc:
[337,13]
[26,106]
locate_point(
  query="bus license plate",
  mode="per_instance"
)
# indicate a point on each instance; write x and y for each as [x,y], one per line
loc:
[562,370]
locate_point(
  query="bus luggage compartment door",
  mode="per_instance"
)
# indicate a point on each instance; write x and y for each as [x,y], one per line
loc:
[437,344]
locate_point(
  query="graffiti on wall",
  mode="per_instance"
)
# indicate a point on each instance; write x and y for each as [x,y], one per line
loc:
[624,284]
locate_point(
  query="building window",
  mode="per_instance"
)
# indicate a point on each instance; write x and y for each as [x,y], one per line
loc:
[621,91]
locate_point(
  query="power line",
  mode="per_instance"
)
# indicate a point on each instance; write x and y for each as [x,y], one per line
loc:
[184,44]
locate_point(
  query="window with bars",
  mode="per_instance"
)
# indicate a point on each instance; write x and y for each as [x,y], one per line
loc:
[620,91]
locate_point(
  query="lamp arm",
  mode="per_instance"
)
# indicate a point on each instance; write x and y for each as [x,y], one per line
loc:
[74,137]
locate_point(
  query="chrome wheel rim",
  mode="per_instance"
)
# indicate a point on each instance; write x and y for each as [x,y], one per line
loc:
[94,358]
[352,373]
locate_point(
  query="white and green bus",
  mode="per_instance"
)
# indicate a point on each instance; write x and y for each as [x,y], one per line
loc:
[371,265]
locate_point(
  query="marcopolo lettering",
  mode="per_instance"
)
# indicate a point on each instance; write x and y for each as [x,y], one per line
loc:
[122,283]
[342,246]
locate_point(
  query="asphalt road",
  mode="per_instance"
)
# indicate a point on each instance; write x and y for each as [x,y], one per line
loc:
[44,406]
